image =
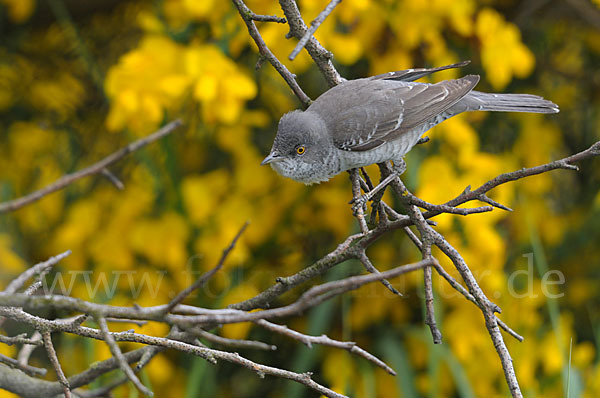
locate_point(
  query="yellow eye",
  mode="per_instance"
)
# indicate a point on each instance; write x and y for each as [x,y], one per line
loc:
[300,150]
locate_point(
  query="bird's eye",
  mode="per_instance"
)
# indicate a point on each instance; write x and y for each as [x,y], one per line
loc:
[300,150]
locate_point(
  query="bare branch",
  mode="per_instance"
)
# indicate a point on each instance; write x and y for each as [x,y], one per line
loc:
[102,391]
[486,199]
[290,79]
[30,370]
[88,171]
[19,281]
[116,352]
[236,343]
[318,53]
[39,269]
[112,178]
[267,18]
[19,339]
[458,287]
[428,236]
[314,25]
[364,259]
[339,255]
[28,349]
[30,387]
[121,320]
[565,163]
[312,297]
[430,311]
[56,364]
[324,340]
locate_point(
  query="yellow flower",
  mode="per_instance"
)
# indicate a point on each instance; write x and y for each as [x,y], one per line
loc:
[156,77]
[202,193]
[219,85]
[19,10]
[502,52]
[163,241]
[139,85]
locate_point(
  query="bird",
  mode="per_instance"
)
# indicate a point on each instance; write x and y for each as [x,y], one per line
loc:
[378,119]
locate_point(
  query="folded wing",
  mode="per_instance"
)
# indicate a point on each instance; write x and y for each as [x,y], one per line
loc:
[363,114]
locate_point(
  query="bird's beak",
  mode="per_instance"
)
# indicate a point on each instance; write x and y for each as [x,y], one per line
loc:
[273,157]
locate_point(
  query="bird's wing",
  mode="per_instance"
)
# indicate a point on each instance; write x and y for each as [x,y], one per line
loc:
[410,75]
[363,114]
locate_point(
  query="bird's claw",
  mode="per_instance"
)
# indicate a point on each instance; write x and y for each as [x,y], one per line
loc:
[359,202]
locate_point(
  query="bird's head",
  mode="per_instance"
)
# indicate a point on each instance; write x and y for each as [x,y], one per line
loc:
[301,148]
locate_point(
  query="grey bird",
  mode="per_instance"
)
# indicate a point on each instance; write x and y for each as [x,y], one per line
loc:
[376,119]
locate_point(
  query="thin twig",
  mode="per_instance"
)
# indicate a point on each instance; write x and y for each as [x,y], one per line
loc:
[262,300]
[424,245]
[206,276]
[39,269]
[18,339]
[458,287]
[488,308]
[311,298]
[364,259]
[326,341]
[265,52]
[20,280]
[314,25]
[102,391]
[28,349]
[122,320]
[113,179]
[116,352]
[96,168]
[564,163]
[47,338]
[236,343]
[161,343]
[267,18]
[318,53]
[32,387]
[28,369]
[429,307]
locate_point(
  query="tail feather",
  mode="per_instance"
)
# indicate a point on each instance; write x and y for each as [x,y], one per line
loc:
[476,100]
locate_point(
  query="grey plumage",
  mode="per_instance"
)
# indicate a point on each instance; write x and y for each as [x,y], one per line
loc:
[380,118]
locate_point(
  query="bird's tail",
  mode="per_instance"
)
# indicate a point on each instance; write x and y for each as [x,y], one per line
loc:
[476,100]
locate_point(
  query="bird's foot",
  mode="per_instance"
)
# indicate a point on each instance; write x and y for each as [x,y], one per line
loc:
[399,167]
[360,202]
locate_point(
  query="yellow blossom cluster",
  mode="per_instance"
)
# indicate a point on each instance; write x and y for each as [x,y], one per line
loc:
[176,71]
